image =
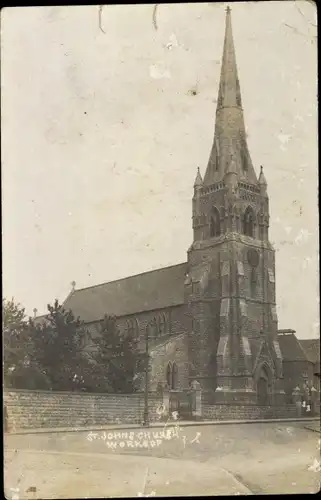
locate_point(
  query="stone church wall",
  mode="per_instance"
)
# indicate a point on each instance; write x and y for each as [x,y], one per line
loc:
[45,409]
[179,320]
[174,350]
[254,319]
[247,412]
[176,323]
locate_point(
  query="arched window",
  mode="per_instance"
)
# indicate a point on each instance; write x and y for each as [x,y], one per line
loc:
[161,324]
[169,375]
[136,328]
[153,328]
[248,222]
[130,328]
[215,223]
[253,282]
[174,376]
[165,324]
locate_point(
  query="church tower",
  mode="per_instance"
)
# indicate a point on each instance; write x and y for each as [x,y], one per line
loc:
[230,281]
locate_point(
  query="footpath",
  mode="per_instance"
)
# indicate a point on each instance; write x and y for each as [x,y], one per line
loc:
[54,475]
[313,423]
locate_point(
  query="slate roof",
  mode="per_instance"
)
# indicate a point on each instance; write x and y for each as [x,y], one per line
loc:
[312,349]
[143,292]
[291,348]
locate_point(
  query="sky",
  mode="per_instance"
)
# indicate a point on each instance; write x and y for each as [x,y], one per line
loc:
[104,126]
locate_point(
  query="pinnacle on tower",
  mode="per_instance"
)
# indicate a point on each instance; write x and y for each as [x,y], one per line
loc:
[230,134]
[262,180]
[198,180]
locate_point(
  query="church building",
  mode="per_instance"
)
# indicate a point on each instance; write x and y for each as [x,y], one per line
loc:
[211,319]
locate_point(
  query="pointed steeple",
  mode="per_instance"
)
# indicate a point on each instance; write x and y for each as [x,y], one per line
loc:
[229,94]
[230,134]
[198,180]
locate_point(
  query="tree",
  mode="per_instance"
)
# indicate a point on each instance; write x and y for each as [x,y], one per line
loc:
[20,369]
[13,322]
[116,357]
[59,342]
[51,354]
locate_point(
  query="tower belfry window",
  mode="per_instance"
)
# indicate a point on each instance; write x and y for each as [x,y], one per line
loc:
[248,222]
[253,282]
[215,223]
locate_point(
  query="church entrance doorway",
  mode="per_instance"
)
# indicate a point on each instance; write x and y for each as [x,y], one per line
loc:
[263,393]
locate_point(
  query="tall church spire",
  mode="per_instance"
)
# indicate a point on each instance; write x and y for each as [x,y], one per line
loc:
[230,135]
[229,94]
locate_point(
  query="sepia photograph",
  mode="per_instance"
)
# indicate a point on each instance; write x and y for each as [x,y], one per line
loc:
[160,250]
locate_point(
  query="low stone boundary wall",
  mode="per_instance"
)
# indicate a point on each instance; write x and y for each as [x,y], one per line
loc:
[45,409]
[248,412]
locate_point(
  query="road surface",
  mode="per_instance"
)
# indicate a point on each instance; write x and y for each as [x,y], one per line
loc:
[197,460]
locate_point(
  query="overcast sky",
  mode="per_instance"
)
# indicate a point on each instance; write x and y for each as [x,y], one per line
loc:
[102,135]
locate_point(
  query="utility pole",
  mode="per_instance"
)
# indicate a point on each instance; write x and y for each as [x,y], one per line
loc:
[146,413]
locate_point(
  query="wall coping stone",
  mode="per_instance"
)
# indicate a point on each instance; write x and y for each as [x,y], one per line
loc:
[77,393]
[185,423]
